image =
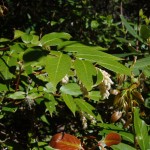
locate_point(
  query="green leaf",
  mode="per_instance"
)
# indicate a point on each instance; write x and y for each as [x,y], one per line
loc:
[5,63]
[18,34]
[27,38]
[49,148]
[115,66]
[85,107]
[9,109]
[32,55]
[122,146]
[57,66]
[44,119]
[68,99]
[141,131]
[141,63]
[92,54]
[71,89]
[54,38]
[129,28]
[17,95]
[145,32]
[85,72]
[94,95]
[35,40]
[94,24]
[74,46]
[50,103]
[127,136]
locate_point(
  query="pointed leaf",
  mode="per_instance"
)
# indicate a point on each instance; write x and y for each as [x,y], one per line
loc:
[115,66]
[68,99]
[75,46]
[57,66]
[129,28]
[18,34]
[17,95]
[5,63]
[85,72]
[27,38]
[112,139]
[85,107]
[71,89]
[54,38]
[127,136]
[141,63]
[50,103]
[122,146]
[65,141]
[141,131]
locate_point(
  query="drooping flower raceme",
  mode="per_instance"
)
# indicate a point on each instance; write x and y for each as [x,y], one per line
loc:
[105,85]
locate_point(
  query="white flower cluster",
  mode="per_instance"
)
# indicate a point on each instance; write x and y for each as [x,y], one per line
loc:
[84,120]
[105,85]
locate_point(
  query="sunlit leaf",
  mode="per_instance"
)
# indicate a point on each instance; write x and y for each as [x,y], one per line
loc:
[84,106]
[94,95]
[127,136]
[122,146]
[112,139]
[27,38]
[18,34]
[141,131]
[85,72]
[50,103]
[75,46]
[68,99]
[71,89]
[17,95]
[57,66]
[54,38]
[65,141]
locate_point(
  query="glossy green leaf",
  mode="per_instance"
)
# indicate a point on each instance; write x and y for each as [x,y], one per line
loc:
[115,66]
[127,136]
[68,99]
[129,28]
[35,40]
[54,38]
[92,54]
[75,46]
[122,146]
[84,106]
[9,109]
[50,103]
[71,89]
[145,32]
[17,95]
[85,72]
[141,131]
[18,34]
[27,38]
[44,119]
[5,63]
[49,148]
[57,66]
